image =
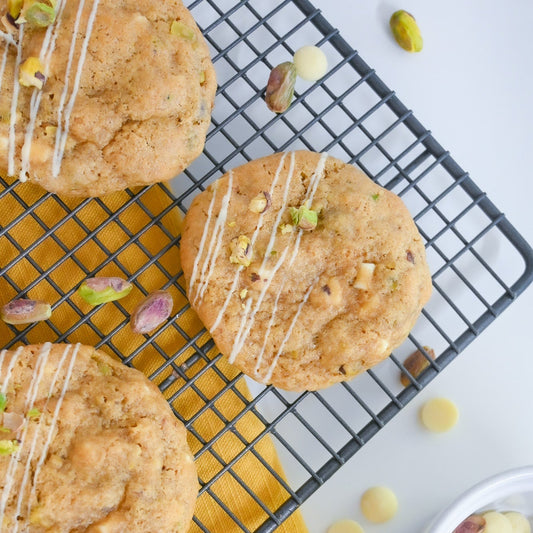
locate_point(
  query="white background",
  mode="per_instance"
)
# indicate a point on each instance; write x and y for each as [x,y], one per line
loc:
[471,86]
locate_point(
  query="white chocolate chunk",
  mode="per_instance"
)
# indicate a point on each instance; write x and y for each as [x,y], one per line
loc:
[439,414]
[497,523]
[310,63]
[519,522]
[345,526]
[364,275]
[379,504]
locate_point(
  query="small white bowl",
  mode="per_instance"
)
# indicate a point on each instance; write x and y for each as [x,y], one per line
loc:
[509,491]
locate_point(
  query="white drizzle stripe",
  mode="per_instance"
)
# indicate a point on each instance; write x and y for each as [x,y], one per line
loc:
[2,357]
[47,48]
[202,241]
[8,38]
[14,103]
[4,62]
[83,53]
[43,359]
[253,239]
[244,329]
[65,90]
[10,367]
[268,376]
[28,404]
[216,241]
[54,419]
[247,322]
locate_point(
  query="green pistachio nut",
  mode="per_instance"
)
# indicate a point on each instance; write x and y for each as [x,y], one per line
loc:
[182,30]
[37,14]
[280,87]
[96,291]
[406,31]
[304,218]
[8,447]
[14,7]
[24,311]
[31,73]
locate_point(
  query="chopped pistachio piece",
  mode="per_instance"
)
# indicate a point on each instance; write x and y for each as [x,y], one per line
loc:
[96,291]
[304,218]
[14,7]
[31,73]
[286,228]
[4,430]
[37,14]
[33,413]
[375,197]
[241,252]
[260,203]
[415,364]
[24,311]
[3,402]
[243,293]
[8,447]
[201,77]
[280,87]
[151,312]
[181,29]
[105,369]
[406,31]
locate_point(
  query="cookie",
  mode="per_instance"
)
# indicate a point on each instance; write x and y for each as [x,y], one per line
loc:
[304,271]
[89,444]
[126,98]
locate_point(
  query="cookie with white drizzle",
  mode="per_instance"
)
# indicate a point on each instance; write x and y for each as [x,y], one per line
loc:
[109,95]
[88,444]
[304,271]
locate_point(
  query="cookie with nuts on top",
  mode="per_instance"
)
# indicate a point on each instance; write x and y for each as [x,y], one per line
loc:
[101,95]
[88,444]
[305,271]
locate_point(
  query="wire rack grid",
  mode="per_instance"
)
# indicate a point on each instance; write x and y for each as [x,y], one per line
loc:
[351,114]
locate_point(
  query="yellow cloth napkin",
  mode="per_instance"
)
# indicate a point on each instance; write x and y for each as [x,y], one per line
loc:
[67,257]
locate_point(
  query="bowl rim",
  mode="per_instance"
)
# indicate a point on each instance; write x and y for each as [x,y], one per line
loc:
[480,495]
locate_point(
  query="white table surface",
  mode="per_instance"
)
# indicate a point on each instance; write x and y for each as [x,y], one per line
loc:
[471,86]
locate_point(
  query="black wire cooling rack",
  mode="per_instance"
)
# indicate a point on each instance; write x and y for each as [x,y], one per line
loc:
[480,264]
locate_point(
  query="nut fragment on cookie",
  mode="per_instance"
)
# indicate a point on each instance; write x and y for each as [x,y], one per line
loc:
[241,252]
[303,217]
[260,203]
[31,73]
[310,62]
[497,523]
[379,504]
[439,415]
[345,526]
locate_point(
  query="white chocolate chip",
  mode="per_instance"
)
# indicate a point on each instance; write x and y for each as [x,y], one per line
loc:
[310,62]
[345,526]
[439,415]
[364,276]
[497,523]
[379,504]
[519,522]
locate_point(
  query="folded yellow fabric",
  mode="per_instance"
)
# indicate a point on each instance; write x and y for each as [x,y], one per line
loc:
[112,236]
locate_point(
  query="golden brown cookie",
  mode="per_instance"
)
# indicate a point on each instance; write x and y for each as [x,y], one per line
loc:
[88,444]
[304,271]
[126,98]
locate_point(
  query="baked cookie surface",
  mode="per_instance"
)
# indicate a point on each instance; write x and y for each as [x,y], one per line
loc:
[89,444]
[126,100]
[303,308]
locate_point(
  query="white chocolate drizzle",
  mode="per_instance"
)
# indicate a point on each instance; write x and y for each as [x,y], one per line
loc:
[215,243]
[10,367]
[66,107]
[268,375]
[14,103]
[32,394]
[247,320]
[254,238]
[63,123]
